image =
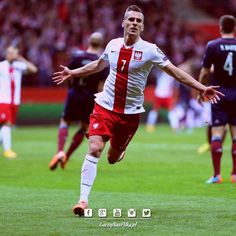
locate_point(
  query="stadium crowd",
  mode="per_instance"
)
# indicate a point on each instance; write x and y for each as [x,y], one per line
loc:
[217,9]
[48,32]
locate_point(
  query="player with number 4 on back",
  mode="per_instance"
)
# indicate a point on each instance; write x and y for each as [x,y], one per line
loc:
[116,113]
[221,53]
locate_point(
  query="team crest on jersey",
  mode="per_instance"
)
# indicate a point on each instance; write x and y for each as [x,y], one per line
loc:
[3,116]
[138,55]
[95,125]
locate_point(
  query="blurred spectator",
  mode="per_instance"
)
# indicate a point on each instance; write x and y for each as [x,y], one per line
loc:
[48,32]
[217,8]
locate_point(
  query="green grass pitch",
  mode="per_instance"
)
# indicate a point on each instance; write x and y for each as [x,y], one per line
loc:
[161,171]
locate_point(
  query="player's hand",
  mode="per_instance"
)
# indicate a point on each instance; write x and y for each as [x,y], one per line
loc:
[211,94]
[63,75]
[20,58]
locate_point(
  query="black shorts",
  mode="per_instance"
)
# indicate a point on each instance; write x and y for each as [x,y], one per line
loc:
[224,112]
[78,106]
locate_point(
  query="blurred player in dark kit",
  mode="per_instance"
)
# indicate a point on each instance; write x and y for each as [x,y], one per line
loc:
[221,53]
[80,101]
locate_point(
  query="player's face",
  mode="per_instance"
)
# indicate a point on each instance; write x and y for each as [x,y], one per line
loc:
[133,23]
[11,54]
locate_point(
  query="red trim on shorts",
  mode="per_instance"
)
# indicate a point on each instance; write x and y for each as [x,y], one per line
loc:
[8,113]
[122,79]
[119,128]
[166,103]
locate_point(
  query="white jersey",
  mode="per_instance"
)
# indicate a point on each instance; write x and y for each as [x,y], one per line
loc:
[164,86]
[129,68]
[10,81]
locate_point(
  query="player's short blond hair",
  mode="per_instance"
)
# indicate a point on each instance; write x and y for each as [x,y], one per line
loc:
[133,8]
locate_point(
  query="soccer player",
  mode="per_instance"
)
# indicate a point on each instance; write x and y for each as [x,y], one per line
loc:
[117,108]
[163,99]
[221,53]
[80,100]
[11,71]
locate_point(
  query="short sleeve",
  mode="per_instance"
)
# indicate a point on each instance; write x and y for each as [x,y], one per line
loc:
[20,65]
[104,56]
[207,58]
[158,58]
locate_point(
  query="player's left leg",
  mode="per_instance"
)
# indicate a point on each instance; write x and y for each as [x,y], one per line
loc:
[5,133]
[233,153]
[122,135]
[62,134]
[114,155]
[153,115]
[216,153]
[76,141]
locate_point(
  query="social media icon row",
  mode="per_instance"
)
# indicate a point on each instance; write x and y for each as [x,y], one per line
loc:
[117,213]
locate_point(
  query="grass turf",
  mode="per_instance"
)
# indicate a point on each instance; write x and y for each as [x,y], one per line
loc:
[161,171]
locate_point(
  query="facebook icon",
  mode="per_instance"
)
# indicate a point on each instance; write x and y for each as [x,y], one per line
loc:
[88,213]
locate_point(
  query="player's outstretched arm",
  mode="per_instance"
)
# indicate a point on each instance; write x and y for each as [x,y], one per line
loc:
[91,68]
[31,68]
[209,92]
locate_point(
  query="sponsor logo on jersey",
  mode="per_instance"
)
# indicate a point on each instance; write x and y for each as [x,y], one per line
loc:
[138,55]
[3,116]
[159,51]
[164,58]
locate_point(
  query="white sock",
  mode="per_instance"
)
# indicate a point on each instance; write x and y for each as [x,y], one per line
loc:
[88,175]
[173,120]
[6,137]
[152,117]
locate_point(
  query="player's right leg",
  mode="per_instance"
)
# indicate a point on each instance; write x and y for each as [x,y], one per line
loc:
[61,140]
[99,133]
[89,172]
[175,116]
[151,120]
[69,114]
[216,153]
[75,143]
[7,117]
[5,133]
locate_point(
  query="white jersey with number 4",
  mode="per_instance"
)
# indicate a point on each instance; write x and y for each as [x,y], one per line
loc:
[129,69]
[10,94]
